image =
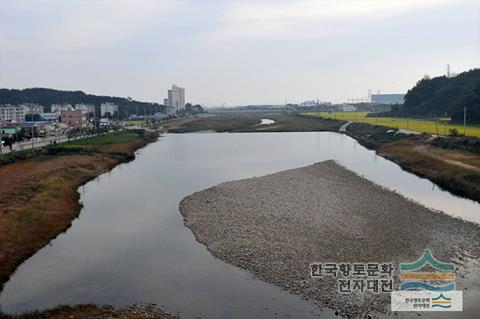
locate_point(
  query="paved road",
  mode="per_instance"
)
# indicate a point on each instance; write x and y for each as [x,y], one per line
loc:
[38,143]
[343,128]
[403,131]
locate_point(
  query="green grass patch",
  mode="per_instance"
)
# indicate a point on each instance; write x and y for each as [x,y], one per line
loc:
[87,146]
[107,139]
[30,217]
[38,187]
[17,156]
[70,174]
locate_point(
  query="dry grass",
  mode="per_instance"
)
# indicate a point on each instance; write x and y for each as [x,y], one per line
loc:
[455,171]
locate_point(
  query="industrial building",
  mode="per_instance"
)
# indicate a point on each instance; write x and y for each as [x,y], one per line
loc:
[387,98]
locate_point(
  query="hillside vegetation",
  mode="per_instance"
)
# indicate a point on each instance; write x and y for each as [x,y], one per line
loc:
[442,96]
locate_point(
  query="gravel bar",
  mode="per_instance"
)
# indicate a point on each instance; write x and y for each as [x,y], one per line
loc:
[275,226]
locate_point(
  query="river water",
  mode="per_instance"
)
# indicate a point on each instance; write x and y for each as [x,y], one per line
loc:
[130,245]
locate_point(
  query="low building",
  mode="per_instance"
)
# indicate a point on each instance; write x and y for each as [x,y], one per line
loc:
[313,103]
[51,117]
[104,122]
[87,108]
[349,108]
[159,116]
[17,113]
[12,113]
[73,119]
[9,130]
[108,107]
[57,108]
[32,109]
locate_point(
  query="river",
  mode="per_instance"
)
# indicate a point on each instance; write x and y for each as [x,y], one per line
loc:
[130,244]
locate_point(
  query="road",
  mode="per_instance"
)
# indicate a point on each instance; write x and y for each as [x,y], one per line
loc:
[343,128]
[38,143]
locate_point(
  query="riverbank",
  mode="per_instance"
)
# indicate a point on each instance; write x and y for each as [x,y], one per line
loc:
[144,311]
[275,226]
[39,197]
[451,163]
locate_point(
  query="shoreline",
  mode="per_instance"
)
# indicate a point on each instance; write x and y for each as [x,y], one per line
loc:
[275,226]
[94,311]
[447,162]
[34,214]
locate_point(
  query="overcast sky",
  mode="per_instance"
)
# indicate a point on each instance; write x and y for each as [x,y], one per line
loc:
[237,52]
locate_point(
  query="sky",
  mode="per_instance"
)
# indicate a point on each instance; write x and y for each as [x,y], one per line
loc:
[235,52]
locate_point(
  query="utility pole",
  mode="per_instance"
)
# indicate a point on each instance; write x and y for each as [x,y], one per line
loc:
[465,120]
[95,127]
[1,142]
[33,130]
[144,113]
[445,125]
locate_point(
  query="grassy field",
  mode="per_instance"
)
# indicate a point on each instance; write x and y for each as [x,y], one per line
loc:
[86,146]
[427,126]
[106,139]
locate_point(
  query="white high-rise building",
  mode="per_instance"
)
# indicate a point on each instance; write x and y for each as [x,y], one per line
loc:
[176,100]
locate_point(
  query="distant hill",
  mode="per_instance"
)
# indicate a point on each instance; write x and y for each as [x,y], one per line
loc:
[47,97]
[444,95]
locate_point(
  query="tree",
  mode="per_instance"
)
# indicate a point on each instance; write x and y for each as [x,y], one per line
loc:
[444,95]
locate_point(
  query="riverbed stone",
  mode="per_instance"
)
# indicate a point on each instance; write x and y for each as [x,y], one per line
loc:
[275,226]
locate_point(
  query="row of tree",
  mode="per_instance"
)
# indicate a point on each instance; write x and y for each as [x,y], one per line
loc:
[442,96]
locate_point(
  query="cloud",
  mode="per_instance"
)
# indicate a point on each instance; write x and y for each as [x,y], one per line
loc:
[75,24]
[289,19]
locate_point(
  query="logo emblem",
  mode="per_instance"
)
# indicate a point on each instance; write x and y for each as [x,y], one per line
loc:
[427,284]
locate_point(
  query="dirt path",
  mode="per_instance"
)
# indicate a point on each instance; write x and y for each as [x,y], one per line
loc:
[455,158]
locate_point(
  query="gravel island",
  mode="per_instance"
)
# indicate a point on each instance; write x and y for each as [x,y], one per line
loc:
[277,225]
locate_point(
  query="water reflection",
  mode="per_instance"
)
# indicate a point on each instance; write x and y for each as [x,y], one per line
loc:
[130,245]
